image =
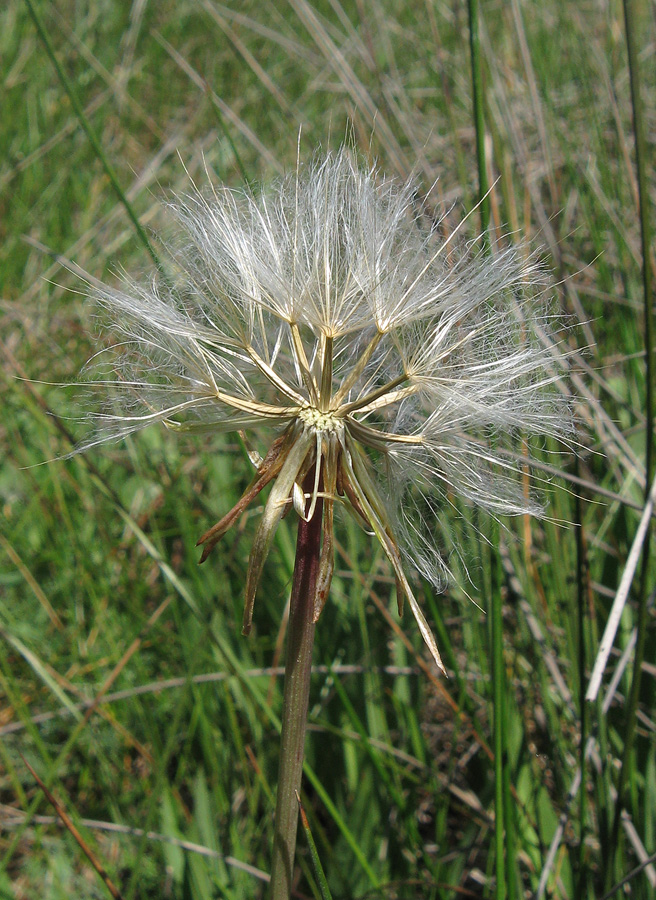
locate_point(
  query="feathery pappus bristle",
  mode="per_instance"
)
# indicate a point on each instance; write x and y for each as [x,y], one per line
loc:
[398,366]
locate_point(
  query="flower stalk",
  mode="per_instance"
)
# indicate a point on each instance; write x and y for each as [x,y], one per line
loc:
[300,640]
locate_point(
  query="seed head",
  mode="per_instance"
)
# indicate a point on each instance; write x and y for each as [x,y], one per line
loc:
[396,366]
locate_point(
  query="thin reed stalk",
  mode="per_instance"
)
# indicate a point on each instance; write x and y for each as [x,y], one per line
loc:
[479,115]
[502,800]
[627,771]
[582,874]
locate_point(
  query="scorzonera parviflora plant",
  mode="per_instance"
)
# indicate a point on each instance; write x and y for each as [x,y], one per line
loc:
[384,367]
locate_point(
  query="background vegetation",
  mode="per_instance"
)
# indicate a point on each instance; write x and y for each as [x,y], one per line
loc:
[124,680]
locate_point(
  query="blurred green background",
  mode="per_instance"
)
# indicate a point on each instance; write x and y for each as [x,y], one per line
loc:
[171,778]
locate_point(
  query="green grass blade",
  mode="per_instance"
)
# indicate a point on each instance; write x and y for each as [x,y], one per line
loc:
[317,868]
[90,133]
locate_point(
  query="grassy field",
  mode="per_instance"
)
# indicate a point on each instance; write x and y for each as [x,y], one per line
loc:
[124,679]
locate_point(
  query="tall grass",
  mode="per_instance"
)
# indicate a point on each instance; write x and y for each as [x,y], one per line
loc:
[124,680]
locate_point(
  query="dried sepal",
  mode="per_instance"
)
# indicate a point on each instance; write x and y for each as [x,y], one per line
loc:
[392,552]
[269,468]
[275,506]
[327,558]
